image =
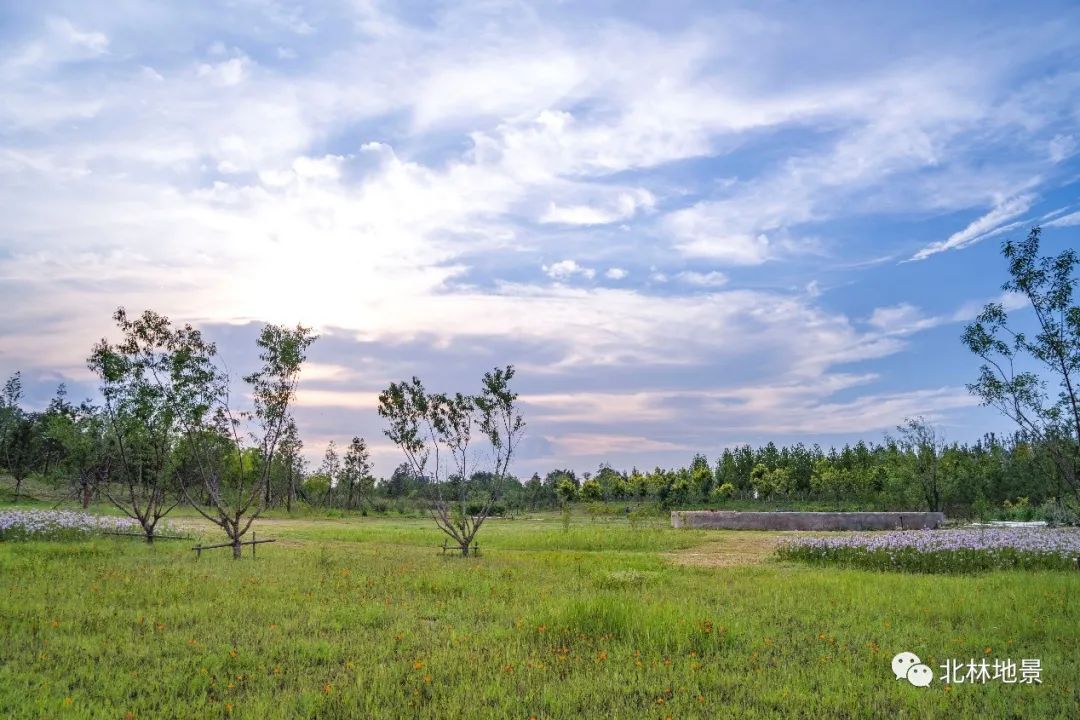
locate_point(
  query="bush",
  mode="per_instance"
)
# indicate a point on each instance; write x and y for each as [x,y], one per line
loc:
[591,491]
[476,507]
[1056,512]
[1021,510]
[723,492]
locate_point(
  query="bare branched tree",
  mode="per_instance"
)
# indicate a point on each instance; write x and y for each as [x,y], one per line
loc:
[437,429]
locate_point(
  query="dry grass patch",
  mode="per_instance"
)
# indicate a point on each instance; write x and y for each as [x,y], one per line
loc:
[731,549]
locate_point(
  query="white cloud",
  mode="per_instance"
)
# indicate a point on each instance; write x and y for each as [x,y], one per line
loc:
[615,273]
[226,73]
[1061,147]
[567,269]
[712,278]
[93,43]
[985,226]
[621,207]
[1072,218]
[901,319]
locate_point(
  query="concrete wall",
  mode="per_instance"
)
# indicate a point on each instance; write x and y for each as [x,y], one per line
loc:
[731,520]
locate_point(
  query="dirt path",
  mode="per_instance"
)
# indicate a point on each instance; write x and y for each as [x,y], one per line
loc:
[730,549]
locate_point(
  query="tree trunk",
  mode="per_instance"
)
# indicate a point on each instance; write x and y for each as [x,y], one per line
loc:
[236,548]
[86,497]
[18,484]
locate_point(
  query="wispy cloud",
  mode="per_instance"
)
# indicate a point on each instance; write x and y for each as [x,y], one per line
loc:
[992,223]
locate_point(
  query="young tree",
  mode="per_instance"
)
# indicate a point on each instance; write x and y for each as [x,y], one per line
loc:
[141,381]
[922,449]
[88,456]
[20,434]
[401,481]
[331,469]
[439,427]
[165,378]
[1048,417]
[356,472]
[290,462]
[273,388]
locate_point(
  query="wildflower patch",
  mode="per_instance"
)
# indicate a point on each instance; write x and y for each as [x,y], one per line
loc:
[942,551]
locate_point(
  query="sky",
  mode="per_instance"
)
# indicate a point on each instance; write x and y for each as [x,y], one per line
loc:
[689,225]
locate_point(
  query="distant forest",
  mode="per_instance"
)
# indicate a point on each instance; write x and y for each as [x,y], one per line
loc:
[67,449]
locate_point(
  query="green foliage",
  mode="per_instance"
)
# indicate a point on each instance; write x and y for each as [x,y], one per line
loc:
[317,485]
[591,491]
[1045,405]
[422,424]
[567,490]
[175,433]
[724,491]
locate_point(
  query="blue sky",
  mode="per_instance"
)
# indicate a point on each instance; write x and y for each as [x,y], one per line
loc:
[689,226]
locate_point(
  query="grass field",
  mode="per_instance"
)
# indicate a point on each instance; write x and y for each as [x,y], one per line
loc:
[360,617]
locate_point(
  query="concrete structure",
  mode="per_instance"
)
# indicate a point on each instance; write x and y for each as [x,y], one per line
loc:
[731,520]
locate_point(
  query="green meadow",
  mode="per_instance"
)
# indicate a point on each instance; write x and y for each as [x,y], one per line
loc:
[361,617]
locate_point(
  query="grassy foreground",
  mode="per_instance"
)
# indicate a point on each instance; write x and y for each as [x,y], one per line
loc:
[361,618]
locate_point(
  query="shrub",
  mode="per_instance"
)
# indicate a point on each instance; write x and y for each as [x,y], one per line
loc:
[591,491]
[476,507]
[723,492]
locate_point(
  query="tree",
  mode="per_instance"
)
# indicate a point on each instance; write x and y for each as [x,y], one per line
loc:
[141,377]
[290,463]
[923,448]
[165,378]
[21,434]
[591,491]
[534,491]
[567,490]
[331,468]
[356,472]
[273,388]
[701,476]
[1049,417]
[87,454]
[440,427]
[401,481]
[555,477]
[21,448]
